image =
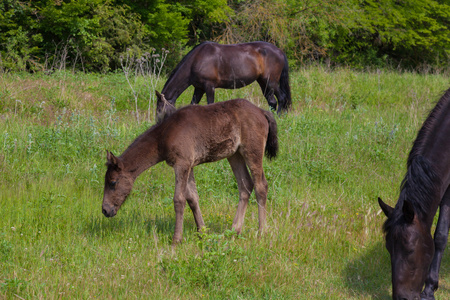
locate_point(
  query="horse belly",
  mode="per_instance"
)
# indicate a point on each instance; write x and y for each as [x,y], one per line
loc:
[238,75]
[217,150]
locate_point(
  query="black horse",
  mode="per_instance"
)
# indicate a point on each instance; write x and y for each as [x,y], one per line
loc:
[210,65]
[415,258]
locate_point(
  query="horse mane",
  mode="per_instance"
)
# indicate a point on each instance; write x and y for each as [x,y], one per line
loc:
[439,111]
[421,182]
[186,57]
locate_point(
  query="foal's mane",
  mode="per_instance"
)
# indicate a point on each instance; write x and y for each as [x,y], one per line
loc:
[183,60]
[421,183]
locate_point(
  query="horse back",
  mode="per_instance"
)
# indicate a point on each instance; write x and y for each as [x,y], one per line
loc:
[235,66]
[199,134]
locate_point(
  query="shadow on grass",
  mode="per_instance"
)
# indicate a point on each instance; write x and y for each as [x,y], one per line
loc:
[370,274]
[98,226]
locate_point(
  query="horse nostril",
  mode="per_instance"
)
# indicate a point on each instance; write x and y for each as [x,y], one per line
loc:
[104,211]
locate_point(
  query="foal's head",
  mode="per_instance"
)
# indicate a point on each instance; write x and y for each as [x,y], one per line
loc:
[118,184]
[411,248]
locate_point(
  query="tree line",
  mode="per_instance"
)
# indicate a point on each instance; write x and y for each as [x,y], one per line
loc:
[95,35]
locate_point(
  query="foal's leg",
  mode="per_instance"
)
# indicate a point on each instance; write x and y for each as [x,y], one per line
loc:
[179,200]
[245,186]
[268,92]
[440,241]
[198,94]
[192,199]
[254,159]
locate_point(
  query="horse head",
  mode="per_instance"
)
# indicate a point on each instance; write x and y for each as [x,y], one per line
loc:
[163,107]
[411,248]
[118,184]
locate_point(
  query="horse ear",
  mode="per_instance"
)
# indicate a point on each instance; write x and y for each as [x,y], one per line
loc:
[158,94]
[408,211]
[385,208]
[114,161]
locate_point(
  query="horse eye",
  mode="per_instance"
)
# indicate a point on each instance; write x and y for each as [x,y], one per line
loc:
[112,184]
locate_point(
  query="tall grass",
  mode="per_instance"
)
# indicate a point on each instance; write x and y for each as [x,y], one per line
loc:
[344,144]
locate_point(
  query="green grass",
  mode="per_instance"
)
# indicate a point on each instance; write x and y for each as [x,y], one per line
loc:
[344,144]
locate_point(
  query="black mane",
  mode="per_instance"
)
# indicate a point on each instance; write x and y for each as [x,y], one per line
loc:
[429,126]
[421,182]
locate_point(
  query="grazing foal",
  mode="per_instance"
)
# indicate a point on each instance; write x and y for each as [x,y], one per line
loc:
[236,130]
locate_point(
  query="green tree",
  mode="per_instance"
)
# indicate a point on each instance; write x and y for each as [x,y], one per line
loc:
[19,39]
[408,32]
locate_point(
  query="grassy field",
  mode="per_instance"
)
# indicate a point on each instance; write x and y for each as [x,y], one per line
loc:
[344,143]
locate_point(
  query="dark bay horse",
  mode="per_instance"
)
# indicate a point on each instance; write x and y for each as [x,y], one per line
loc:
[234,129]
[415,257]
[210,65]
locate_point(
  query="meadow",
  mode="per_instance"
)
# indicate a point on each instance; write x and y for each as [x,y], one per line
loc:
[344,144]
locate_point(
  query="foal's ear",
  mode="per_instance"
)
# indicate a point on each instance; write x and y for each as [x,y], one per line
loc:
[385,208]
[408,211]
[114,161]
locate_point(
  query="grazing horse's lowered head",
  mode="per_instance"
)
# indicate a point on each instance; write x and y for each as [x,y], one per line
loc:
[411,248]
[163,107]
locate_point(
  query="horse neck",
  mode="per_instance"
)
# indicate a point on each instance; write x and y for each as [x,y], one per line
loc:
[177,84]
[141,154]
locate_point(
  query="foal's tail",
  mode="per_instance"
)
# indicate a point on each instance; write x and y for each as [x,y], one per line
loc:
[285,89]
[272,138]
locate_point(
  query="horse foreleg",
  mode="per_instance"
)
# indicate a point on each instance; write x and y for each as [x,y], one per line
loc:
[192,199]
[198,94]
[440,242]
[210,94]
[179,201]
[245,186]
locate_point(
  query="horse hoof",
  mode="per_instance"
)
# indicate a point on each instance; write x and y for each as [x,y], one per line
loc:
[426,297]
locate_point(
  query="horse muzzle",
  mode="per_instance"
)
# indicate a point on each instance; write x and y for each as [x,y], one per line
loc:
[109,211]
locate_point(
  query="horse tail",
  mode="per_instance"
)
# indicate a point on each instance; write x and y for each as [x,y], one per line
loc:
[284,86]
[272,137]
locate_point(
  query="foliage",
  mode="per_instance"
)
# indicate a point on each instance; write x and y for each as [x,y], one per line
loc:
[92,35]
[302,28]
[409,33]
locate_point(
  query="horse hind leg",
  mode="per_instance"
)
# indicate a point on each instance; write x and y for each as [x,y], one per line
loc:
[192,199]
[268,93]
[254,159]
[245,186]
